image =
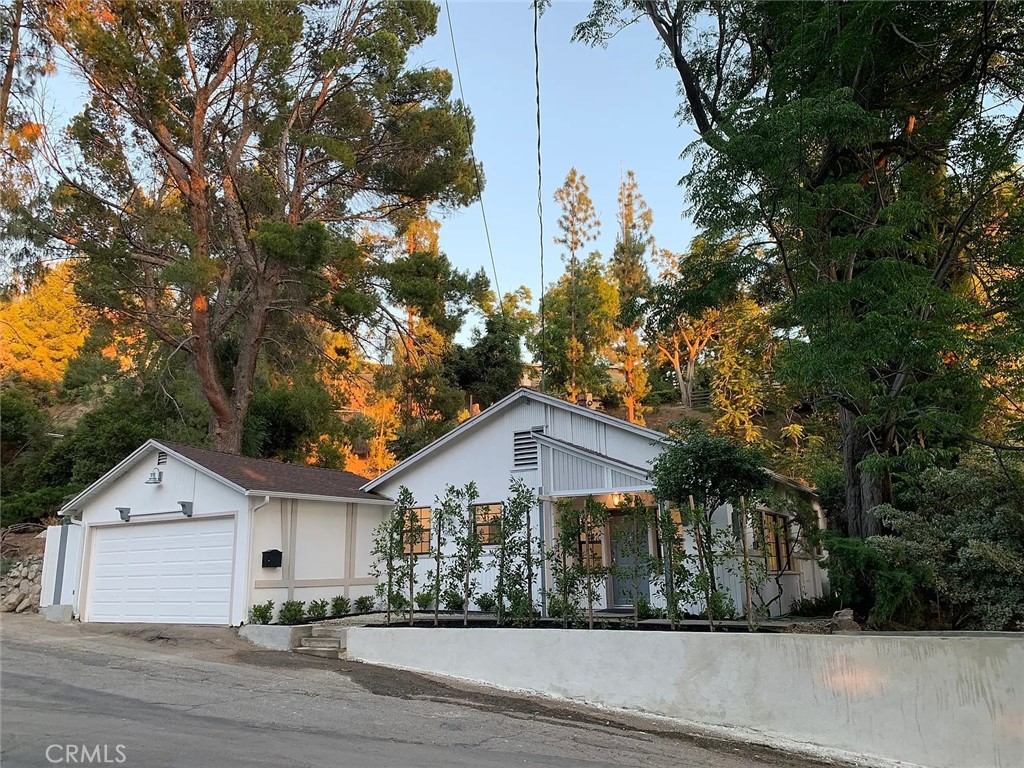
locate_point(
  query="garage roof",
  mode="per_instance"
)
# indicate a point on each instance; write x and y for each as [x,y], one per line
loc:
[276,477]
[253,477]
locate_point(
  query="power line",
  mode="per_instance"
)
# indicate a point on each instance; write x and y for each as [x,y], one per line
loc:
[472,156]
[540,188]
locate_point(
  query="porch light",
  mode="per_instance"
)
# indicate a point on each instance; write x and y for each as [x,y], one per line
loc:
[155,477]
[616,498]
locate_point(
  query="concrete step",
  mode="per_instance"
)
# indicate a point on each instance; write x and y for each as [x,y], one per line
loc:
[329,630]
[320,642]
[324,653]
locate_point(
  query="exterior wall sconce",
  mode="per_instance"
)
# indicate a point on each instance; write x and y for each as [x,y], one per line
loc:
[155,477]
[616,499]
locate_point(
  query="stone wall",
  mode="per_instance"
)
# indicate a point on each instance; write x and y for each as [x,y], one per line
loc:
[19,589]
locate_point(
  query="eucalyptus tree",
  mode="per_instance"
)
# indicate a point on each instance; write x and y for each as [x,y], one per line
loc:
[869,156]
[233,159]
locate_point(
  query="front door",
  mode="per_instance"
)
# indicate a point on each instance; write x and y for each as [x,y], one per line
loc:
[625,554]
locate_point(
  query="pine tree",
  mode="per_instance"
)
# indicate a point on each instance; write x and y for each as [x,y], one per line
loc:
[579,225]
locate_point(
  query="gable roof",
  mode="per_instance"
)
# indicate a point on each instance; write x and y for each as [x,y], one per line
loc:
[260,476]
[473,423]
[249,476]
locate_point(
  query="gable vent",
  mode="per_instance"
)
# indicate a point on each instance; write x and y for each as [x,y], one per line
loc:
[524,449]
[161,458]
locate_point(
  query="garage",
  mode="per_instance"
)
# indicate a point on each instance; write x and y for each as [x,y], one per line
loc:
[173,572]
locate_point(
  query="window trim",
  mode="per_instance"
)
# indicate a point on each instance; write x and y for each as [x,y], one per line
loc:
[775,533]
[421,547]
[492,523]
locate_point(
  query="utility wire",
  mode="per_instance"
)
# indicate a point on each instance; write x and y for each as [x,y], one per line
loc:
[540,189]
[472,156]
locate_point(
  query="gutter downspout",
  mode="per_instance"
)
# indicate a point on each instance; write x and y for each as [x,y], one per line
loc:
[249,584]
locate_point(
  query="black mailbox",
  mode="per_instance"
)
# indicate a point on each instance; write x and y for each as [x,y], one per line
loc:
[272,558]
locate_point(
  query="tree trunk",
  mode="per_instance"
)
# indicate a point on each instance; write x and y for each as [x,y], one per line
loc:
[863,492]
[684,392]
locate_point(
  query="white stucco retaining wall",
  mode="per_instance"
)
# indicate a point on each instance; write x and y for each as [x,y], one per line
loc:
[941,702]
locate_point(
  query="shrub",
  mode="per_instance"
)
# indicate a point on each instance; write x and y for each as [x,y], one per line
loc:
[292,612]
[364,604]
[262,613]
[865,581]
[453,601]
[644,610]
[399,602]
[486,602]
[424,600]
[340,605]
[825,605]
[317,609]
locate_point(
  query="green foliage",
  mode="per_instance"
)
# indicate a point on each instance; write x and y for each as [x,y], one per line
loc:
[364,604]
[492,366]
[424,600]
[262,613]
[579,347]
[713,470]
[453,600]
[265,263]
[390,563]
[962,537]
[465,560]
[485,602]
[514,558]
[340,605]
[825,605]
[284,418]
[292,612]
[317,609]
[566,588]
[879,593]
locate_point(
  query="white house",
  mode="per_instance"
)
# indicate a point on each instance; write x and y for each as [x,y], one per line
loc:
[563,450]
[175,534]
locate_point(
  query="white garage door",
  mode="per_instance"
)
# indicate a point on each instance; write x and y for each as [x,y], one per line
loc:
[175,572]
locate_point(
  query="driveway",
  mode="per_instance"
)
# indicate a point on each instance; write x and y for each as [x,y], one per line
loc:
[155,696]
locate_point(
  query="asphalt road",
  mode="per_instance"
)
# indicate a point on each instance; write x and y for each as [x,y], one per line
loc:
[155,697]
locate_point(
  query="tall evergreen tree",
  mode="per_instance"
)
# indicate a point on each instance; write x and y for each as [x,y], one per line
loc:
[579,225]
[213,185]
[871,151]
[629,269]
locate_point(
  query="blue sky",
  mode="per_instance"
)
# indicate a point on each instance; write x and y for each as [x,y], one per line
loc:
[603,110]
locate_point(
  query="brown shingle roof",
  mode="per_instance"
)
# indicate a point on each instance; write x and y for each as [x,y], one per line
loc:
[276,476]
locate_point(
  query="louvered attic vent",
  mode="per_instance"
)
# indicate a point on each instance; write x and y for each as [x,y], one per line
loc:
[524,449]
[161,458]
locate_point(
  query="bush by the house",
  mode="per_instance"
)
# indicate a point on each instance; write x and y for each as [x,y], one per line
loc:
[424,600]
[486,602]
[453,601]
[292,612]
[364,604]
[317,609]
[340,605]
[262,613]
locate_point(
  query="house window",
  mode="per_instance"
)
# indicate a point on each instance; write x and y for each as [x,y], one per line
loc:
[487,519]
[776,542]
[417,539]
[524,449]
